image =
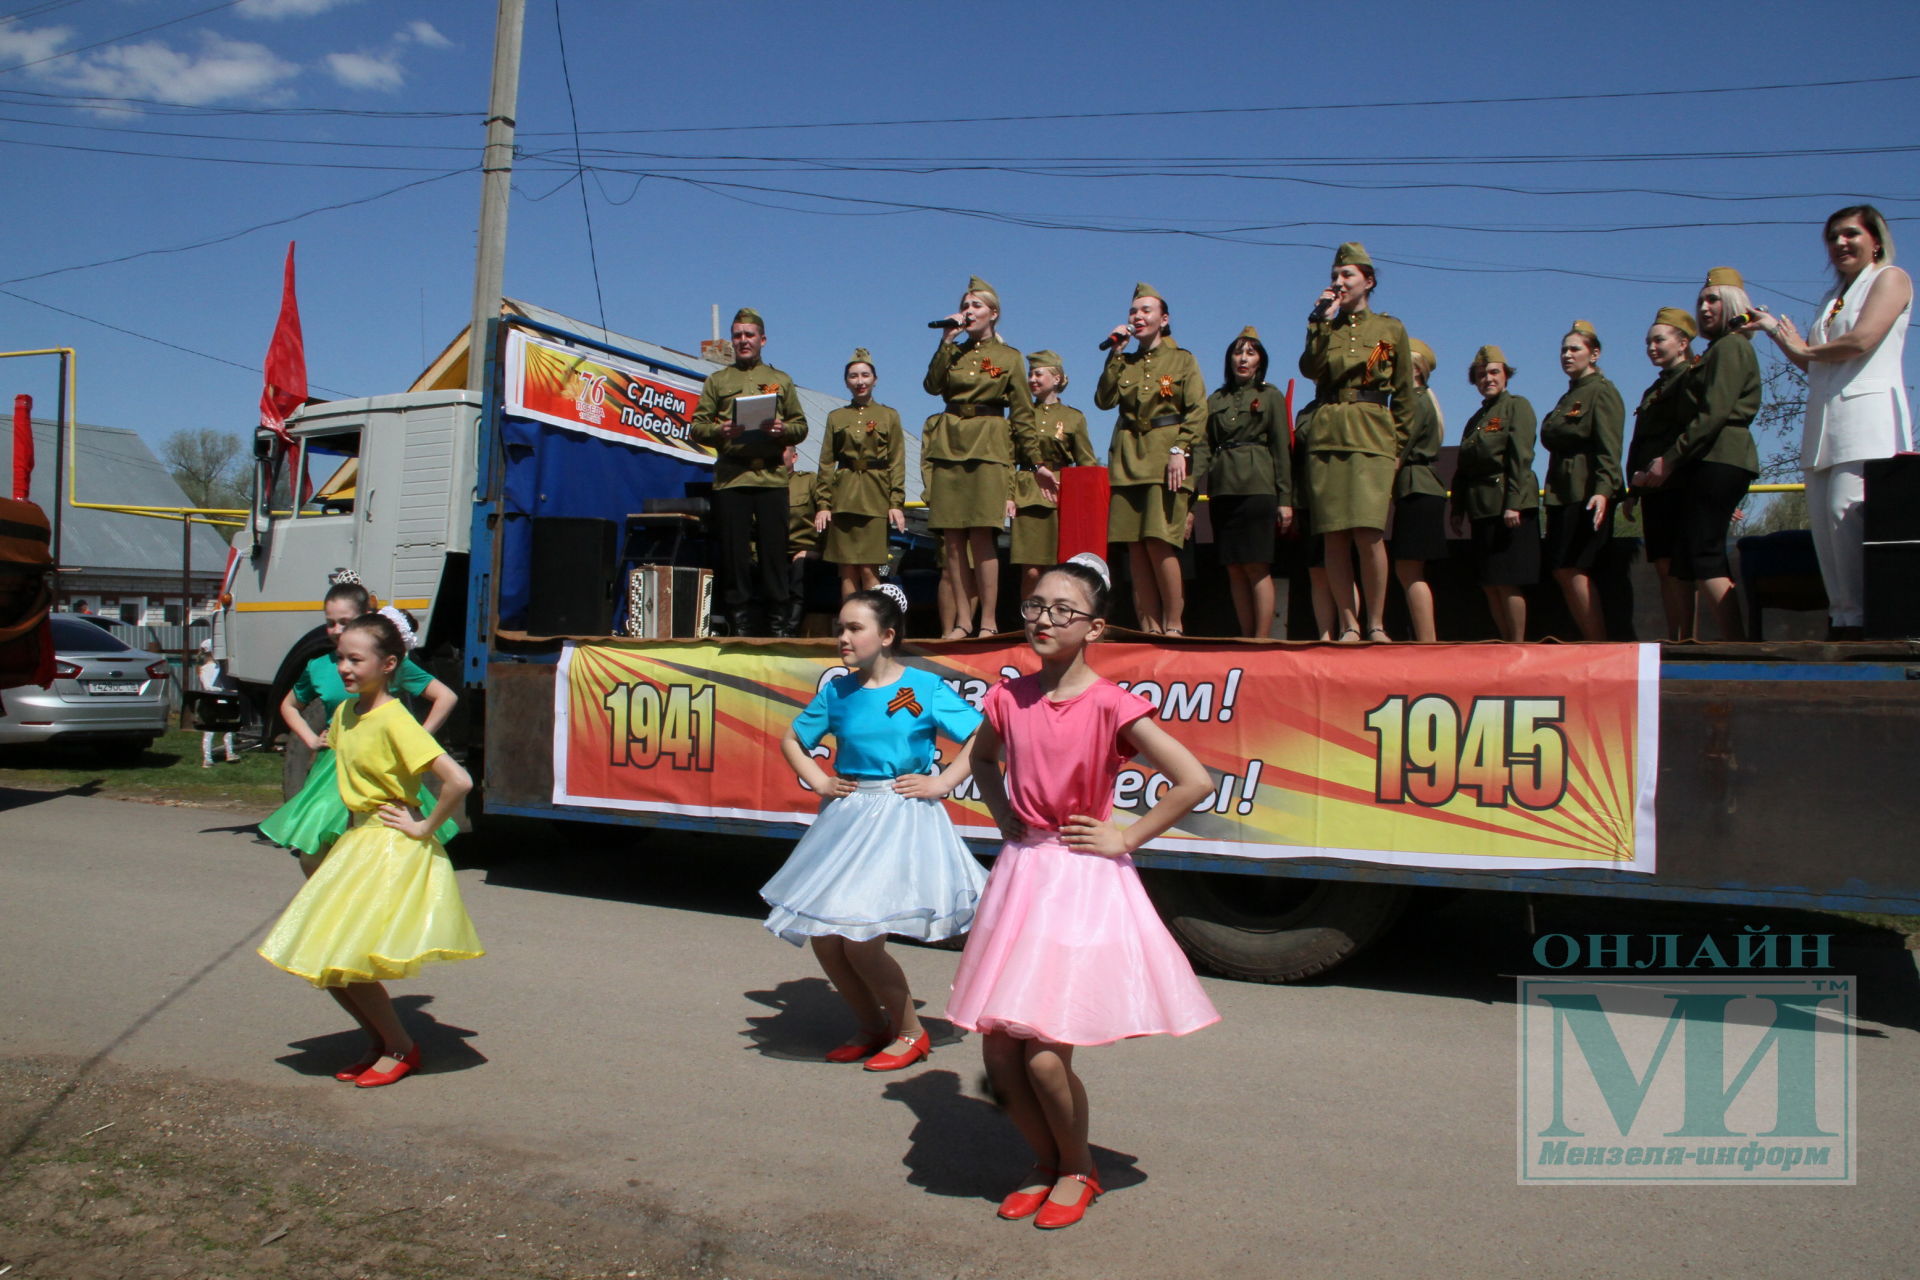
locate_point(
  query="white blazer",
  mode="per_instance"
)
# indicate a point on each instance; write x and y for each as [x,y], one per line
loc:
[1856,409]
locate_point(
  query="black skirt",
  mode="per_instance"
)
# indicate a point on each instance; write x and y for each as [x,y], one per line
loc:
[1709,491]
[1504,557]
[1659,521]
[1243,527]
[1572,541]
[1419,527]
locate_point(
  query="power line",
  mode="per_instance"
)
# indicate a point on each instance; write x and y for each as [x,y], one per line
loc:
[1316,106]
[170,22]
[269,164]
[231,137]
[586,208]
[147,337]
[244,231]
[91,101]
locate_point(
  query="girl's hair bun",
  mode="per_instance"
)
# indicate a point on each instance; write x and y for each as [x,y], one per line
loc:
[893,592]
[1088,560]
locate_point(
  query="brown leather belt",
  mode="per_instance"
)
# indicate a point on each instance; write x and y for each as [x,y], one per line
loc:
[852,464]
[977,410]
[1164,420]
[1354,395]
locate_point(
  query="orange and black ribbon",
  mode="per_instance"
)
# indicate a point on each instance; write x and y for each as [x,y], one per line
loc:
[903,700]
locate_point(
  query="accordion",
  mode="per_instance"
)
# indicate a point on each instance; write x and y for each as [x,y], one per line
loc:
[667,602]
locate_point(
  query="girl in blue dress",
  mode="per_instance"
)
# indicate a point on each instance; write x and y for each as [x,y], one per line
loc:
[309,823]
[882,857]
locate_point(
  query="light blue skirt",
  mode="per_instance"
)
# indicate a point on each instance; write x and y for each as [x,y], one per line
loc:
[875,863]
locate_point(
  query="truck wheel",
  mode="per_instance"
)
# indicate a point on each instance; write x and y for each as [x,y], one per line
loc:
[1272,928]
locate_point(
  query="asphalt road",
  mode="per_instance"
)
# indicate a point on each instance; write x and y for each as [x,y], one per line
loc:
[634,1038]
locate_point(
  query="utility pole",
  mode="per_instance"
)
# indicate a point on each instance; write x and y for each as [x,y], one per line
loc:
[496,167]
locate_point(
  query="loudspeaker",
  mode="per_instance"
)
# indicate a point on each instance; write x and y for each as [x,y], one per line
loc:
[1893,590]
[574,573]
[1893,498]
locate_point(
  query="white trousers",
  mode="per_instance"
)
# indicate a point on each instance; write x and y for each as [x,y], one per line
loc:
[1836,509]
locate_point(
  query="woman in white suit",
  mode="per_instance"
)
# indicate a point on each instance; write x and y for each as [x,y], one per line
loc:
[1856,397]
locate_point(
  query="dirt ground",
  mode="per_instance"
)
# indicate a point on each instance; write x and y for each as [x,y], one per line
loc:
[111,1174]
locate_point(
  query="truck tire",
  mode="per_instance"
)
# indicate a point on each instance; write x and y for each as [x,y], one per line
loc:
[1272,928]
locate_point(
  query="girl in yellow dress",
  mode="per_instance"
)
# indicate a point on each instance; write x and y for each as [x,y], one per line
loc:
[384,902]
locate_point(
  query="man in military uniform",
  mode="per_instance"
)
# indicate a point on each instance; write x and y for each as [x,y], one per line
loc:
[750,482]
[803,538]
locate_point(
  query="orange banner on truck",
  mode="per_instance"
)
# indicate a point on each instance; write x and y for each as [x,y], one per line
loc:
[602,395]
[1469,757]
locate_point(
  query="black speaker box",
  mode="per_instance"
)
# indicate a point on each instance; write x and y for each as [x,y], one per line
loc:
[1893,498]
[1893,590]
[575,570]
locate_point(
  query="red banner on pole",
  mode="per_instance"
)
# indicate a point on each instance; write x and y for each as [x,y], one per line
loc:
[23,448]
[286,368]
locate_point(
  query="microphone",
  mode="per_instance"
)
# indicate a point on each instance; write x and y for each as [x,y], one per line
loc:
[1321,308]
[1109,342]
[948,323]
[1742,320]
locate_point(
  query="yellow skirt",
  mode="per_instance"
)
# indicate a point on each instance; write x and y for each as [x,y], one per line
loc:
[382,905]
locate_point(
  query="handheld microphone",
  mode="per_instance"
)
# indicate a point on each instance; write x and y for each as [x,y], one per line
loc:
[1742,320]
[1109,342]
[948,323]
[1321,308]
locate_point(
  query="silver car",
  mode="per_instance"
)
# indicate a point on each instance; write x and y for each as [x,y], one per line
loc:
[104,691]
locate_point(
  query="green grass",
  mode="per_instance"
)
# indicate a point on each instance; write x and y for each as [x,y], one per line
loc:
[167,770]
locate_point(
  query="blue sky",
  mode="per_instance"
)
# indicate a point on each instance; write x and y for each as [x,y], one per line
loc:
[1231,209]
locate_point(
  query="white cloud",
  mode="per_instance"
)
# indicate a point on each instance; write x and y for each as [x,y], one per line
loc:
[19,44]
[425,33]
[288,8]
[367,71]
[218,70]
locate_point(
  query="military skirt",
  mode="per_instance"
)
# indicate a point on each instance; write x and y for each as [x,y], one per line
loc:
[1036,536]
[969,495]
[1504,557]
[1141,511]
[1349,490]
[1572,541]
[1244,526]
[856,540]
[1419,527]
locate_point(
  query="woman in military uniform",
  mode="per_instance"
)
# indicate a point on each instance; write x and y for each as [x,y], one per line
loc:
[1163,416]
[1713,459]
[1248,464]
[1583,434]
[1494,490]
[862,489]
[1362,365]
[1420,500]
[1058,440]
[1665,409]
[969,448]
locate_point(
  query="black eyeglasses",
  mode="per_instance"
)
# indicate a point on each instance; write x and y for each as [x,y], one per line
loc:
[1058,615]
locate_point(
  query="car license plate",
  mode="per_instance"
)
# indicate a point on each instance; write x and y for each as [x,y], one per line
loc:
[121,687]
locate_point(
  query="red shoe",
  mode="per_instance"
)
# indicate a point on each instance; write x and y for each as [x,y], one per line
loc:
[404,1067]
[916,1050]
[1054,1214]
[858,1048]
[1023,1204]
[360,1068]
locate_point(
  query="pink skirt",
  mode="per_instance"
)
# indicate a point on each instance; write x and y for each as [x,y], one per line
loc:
[1066,947]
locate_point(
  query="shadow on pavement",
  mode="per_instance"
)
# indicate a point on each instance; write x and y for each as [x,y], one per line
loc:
[443,1046]
[21,797]
[962,1146]
[689,871]
[1471,946]
[809,1019]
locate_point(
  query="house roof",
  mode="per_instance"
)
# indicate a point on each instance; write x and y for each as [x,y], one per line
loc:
[449,372]
[114,465]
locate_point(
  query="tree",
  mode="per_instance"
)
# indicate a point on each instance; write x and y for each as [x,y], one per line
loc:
[208,466]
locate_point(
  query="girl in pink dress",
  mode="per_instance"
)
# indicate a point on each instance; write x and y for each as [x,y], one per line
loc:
[1066,949]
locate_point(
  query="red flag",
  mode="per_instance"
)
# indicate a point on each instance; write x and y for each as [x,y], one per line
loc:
[286,385]
[23,448]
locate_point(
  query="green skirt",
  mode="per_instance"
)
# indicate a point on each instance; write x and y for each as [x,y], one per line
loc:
[315,817]
[1036,536]
[1349,490]
[856,540]
[1141,511]
[969,495]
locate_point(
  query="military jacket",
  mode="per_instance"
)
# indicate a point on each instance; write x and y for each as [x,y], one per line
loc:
[1725,387]
[1583,433]
[801,535]
[1148,387]
[1360,351]
[863,467]
[1058,439]
[1495,473]
[990,374]
[743,464]
[1248,449]
[1665,410]
[1423,446]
